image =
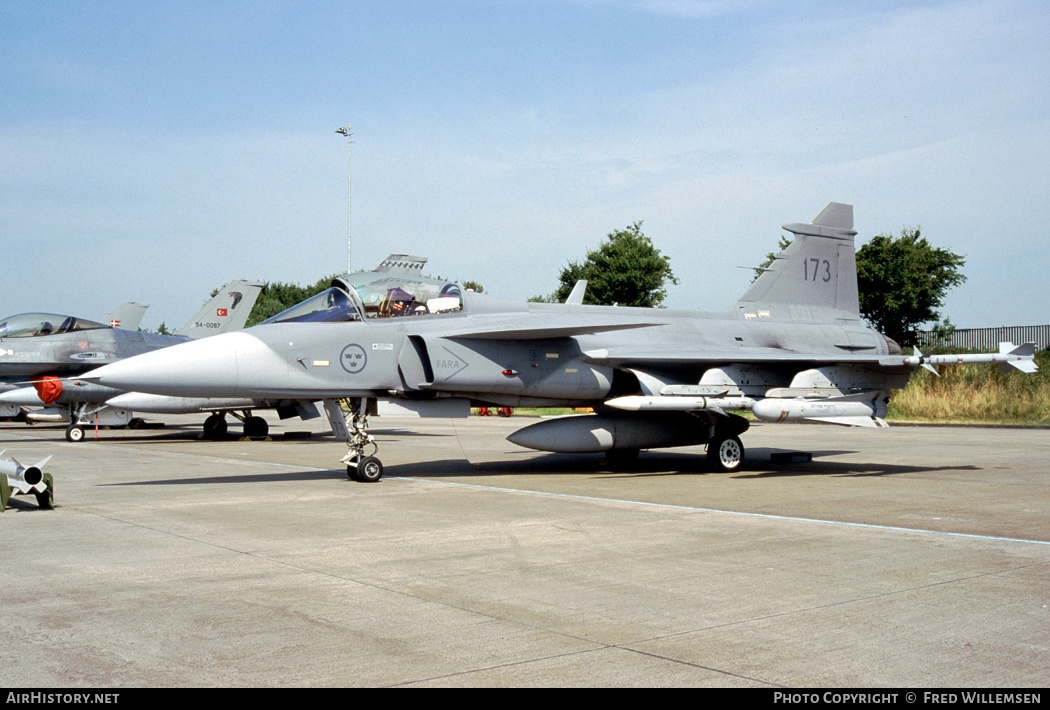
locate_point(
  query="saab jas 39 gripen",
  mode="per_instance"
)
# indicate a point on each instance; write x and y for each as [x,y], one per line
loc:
[51,350]
[792,348]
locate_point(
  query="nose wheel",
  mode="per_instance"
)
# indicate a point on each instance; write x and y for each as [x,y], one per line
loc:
[367,469]
[352,427]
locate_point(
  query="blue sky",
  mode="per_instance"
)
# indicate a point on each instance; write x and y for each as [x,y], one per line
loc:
[154,151]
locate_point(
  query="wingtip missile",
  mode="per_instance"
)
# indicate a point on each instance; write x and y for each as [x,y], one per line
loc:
[1010,356]
[1021,357]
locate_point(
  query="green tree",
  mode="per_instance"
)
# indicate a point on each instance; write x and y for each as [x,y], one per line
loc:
[903,281]
[785,242]
[626,270]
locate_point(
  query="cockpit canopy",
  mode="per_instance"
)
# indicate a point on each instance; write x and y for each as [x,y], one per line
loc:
[375,295]
[30,325]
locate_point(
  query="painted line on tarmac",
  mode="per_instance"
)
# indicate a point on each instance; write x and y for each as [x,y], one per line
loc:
[892,528]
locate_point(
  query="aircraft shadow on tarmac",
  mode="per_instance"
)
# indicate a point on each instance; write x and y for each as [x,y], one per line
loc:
[847,469]
[655,463]
[652,465]
[252,477]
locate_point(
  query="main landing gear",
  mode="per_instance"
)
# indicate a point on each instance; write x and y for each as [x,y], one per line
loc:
[725,454]
[215,426]
[352,427]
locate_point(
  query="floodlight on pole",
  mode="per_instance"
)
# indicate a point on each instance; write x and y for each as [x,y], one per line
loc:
[349,142]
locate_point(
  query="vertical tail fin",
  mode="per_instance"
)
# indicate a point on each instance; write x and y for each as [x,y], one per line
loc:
[227,310]
[126,315]
[818,269]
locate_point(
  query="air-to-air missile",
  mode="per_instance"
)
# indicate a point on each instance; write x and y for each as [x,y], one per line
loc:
[16,479]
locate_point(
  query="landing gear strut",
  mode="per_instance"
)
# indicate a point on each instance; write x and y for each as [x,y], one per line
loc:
[90,415]
[352,427]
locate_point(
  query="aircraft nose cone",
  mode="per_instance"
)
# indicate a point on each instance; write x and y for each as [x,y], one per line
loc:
[206,367]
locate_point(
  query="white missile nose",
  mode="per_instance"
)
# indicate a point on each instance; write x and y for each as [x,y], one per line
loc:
[24,396]
[183,370]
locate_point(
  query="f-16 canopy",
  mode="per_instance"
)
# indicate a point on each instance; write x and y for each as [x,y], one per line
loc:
[29,325]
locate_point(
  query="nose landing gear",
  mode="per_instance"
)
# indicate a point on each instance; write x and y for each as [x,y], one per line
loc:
[352,427]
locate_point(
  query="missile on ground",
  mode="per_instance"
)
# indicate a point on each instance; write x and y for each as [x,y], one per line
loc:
[16,479]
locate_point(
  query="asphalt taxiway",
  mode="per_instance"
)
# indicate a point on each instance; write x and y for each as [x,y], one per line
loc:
[908,557]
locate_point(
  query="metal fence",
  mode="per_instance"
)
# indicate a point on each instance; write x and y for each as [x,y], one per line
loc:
[988,339]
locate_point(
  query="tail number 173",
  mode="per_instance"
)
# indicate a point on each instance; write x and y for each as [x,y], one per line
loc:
[817,270]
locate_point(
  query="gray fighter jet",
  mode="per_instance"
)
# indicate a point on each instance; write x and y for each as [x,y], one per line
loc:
[51,350]
[254,427]
[792,348]
[125,315]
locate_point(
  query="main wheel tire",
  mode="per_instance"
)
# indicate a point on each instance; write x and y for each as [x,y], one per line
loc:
[256,428]
[725,454]
[215,427]
[74,433]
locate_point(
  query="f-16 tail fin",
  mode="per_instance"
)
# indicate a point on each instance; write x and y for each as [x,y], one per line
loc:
[126,315]
[227,310]
[817,270]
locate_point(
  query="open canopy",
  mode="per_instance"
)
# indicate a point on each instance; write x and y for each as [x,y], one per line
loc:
[375,295]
